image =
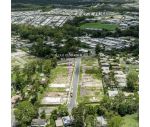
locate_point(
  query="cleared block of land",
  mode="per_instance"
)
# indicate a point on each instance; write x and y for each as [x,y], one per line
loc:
[53,100]
[61,77]
[47,110]
[90,87]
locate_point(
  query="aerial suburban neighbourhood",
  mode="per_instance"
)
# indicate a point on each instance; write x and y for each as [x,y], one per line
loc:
[75,63]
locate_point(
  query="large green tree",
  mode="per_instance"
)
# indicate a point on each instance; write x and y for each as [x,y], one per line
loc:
[78,114]
[115,121]
[132,80]
[97,49]
[24,113]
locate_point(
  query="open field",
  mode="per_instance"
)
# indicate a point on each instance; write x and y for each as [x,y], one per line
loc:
[130,121]
[94,72]
[58,73]
[89,61]
[99,25]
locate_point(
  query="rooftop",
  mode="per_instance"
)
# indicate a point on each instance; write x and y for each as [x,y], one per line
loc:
[112,93]
[59,122]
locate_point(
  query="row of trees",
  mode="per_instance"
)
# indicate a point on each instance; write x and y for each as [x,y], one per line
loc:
[33,33]
[131,31]
[71,29]
[112,109]
[84,115]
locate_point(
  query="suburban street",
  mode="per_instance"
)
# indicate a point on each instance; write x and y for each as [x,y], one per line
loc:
[75,85]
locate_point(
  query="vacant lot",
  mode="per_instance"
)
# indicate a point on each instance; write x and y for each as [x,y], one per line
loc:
[99,25]
[60,81]
[90,61]
[90,88]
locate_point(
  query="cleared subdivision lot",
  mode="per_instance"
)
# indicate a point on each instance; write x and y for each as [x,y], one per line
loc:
[59,87]
[90,88]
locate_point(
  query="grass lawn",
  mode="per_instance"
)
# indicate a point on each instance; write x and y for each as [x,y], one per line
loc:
[56,89]
[130,121]
[89,61]
[99,25]
[95,72]
[59,70]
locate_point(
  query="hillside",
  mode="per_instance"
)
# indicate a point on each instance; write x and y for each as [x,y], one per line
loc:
[52,1]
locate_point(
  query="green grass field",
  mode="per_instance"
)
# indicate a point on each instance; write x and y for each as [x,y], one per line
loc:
[130,121]
[89,61]
[99,25]
[59,70]
[95,72]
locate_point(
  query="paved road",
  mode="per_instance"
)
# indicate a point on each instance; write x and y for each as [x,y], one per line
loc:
[72,102]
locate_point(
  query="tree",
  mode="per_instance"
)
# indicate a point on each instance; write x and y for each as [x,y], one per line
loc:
[78,114]
[132,80]
[13,48]
[47,66]
[106,102]
[54,115]
[100,110]
[62,111]
[54,62]
[115,121]
[89,52]
[24,113]
[90,110]
[43,115]
[122,110]
[97,49]
[90,121]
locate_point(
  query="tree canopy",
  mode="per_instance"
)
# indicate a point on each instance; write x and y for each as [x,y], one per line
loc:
[24,113]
